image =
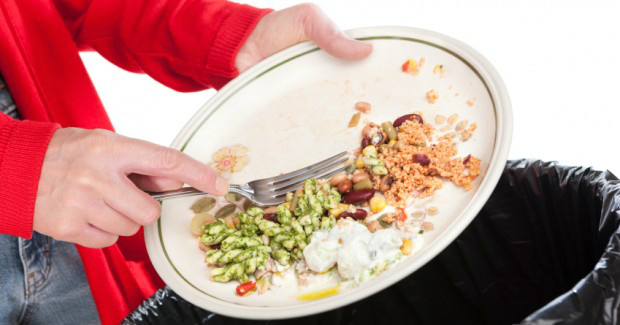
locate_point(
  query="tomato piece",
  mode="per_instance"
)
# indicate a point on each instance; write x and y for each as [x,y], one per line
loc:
[245,288]
[405,66]
[402,216]
[409,66]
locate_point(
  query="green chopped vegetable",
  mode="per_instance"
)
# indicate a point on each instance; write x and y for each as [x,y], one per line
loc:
[242,250]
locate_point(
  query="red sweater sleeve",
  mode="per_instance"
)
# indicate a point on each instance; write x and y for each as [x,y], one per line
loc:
[186,45]
[22,148]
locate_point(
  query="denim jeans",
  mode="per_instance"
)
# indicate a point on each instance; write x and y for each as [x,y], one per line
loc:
[42,281]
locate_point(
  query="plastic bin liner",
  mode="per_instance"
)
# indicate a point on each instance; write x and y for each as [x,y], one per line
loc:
[545,249]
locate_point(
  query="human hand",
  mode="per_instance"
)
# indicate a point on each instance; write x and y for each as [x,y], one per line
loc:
[89,189]
[281,29]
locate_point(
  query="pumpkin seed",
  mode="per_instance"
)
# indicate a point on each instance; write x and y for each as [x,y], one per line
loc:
[432,211]
[248,204]
[232,197]
[440,119]
[225,211]
[204,204]
[198,221]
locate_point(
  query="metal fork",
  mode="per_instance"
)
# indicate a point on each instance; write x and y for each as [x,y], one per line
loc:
[272,190]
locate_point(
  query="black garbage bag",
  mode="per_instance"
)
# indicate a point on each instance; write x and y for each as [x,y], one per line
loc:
[545,249]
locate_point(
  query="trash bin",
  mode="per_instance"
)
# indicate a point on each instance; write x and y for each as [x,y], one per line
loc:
[545,249]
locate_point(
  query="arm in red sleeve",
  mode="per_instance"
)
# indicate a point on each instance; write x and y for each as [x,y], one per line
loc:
[186,45]
[22,148]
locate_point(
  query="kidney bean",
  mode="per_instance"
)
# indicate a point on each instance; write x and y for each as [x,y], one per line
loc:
[365,142]
[409,117]
[358,196]
[359,214]
[345,186]
[421,159]
[466,160]
[378,138]
[386,183]
[367,128]
[374,226]
[363,107]
[357,177]
[271,217]
[337,179]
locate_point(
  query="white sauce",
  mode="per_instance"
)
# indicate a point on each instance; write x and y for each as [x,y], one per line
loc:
[353,248]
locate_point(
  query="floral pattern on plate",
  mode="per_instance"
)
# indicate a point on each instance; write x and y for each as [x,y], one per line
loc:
[229,160]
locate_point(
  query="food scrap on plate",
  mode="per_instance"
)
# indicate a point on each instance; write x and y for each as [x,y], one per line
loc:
[349,228]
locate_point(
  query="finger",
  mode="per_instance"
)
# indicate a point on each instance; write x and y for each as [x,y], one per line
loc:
[109,220]
[323,32]
[124,197]
[94,237]
[154,183]
[147,158]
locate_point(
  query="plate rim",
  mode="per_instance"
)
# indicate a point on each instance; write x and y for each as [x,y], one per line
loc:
[503,135]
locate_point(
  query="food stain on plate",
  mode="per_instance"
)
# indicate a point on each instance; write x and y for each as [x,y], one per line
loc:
[320,294]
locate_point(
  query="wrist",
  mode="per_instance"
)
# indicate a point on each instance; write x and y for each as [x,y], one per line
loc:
[234,32]
[22,151]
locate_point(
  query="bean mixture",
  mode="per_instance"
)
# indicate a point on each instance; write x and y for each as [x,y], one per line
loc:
[405,159]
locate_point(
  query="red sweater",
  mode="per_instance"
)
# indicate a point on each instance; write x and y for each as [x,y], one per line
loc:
[185,44]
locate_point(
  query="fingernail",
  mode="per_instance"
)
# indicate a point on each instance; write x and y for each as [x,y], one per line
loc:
[221,185]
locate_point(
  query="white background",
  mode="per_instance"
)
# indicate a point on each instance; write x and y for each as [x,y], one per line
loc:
[559,59]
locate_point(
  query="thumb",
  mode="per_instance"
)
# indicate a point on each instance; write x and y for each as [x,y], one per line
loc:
[141,157]
[323,32]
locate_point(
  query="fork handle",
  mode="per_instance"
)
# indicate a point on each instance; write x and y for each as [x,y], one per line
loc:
[191,191]
[172,194]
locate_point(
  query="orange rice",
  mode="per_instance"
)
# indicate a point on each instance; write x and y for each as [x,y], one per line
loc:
[413,179]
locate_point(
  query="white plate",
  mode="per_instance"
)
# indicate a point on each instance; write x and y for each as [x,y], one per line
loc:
[292,110]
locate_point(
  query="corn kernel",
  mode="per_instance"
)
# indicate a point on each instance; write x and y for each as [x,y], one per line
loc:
[392,142]
[370,150]
[407,247]
[377,203]
[359,163]
[339,209]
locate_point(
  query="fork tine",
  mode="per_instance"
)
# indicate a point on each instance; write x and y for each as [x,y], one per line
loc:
[319,175]
[303,177]
[267,182]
